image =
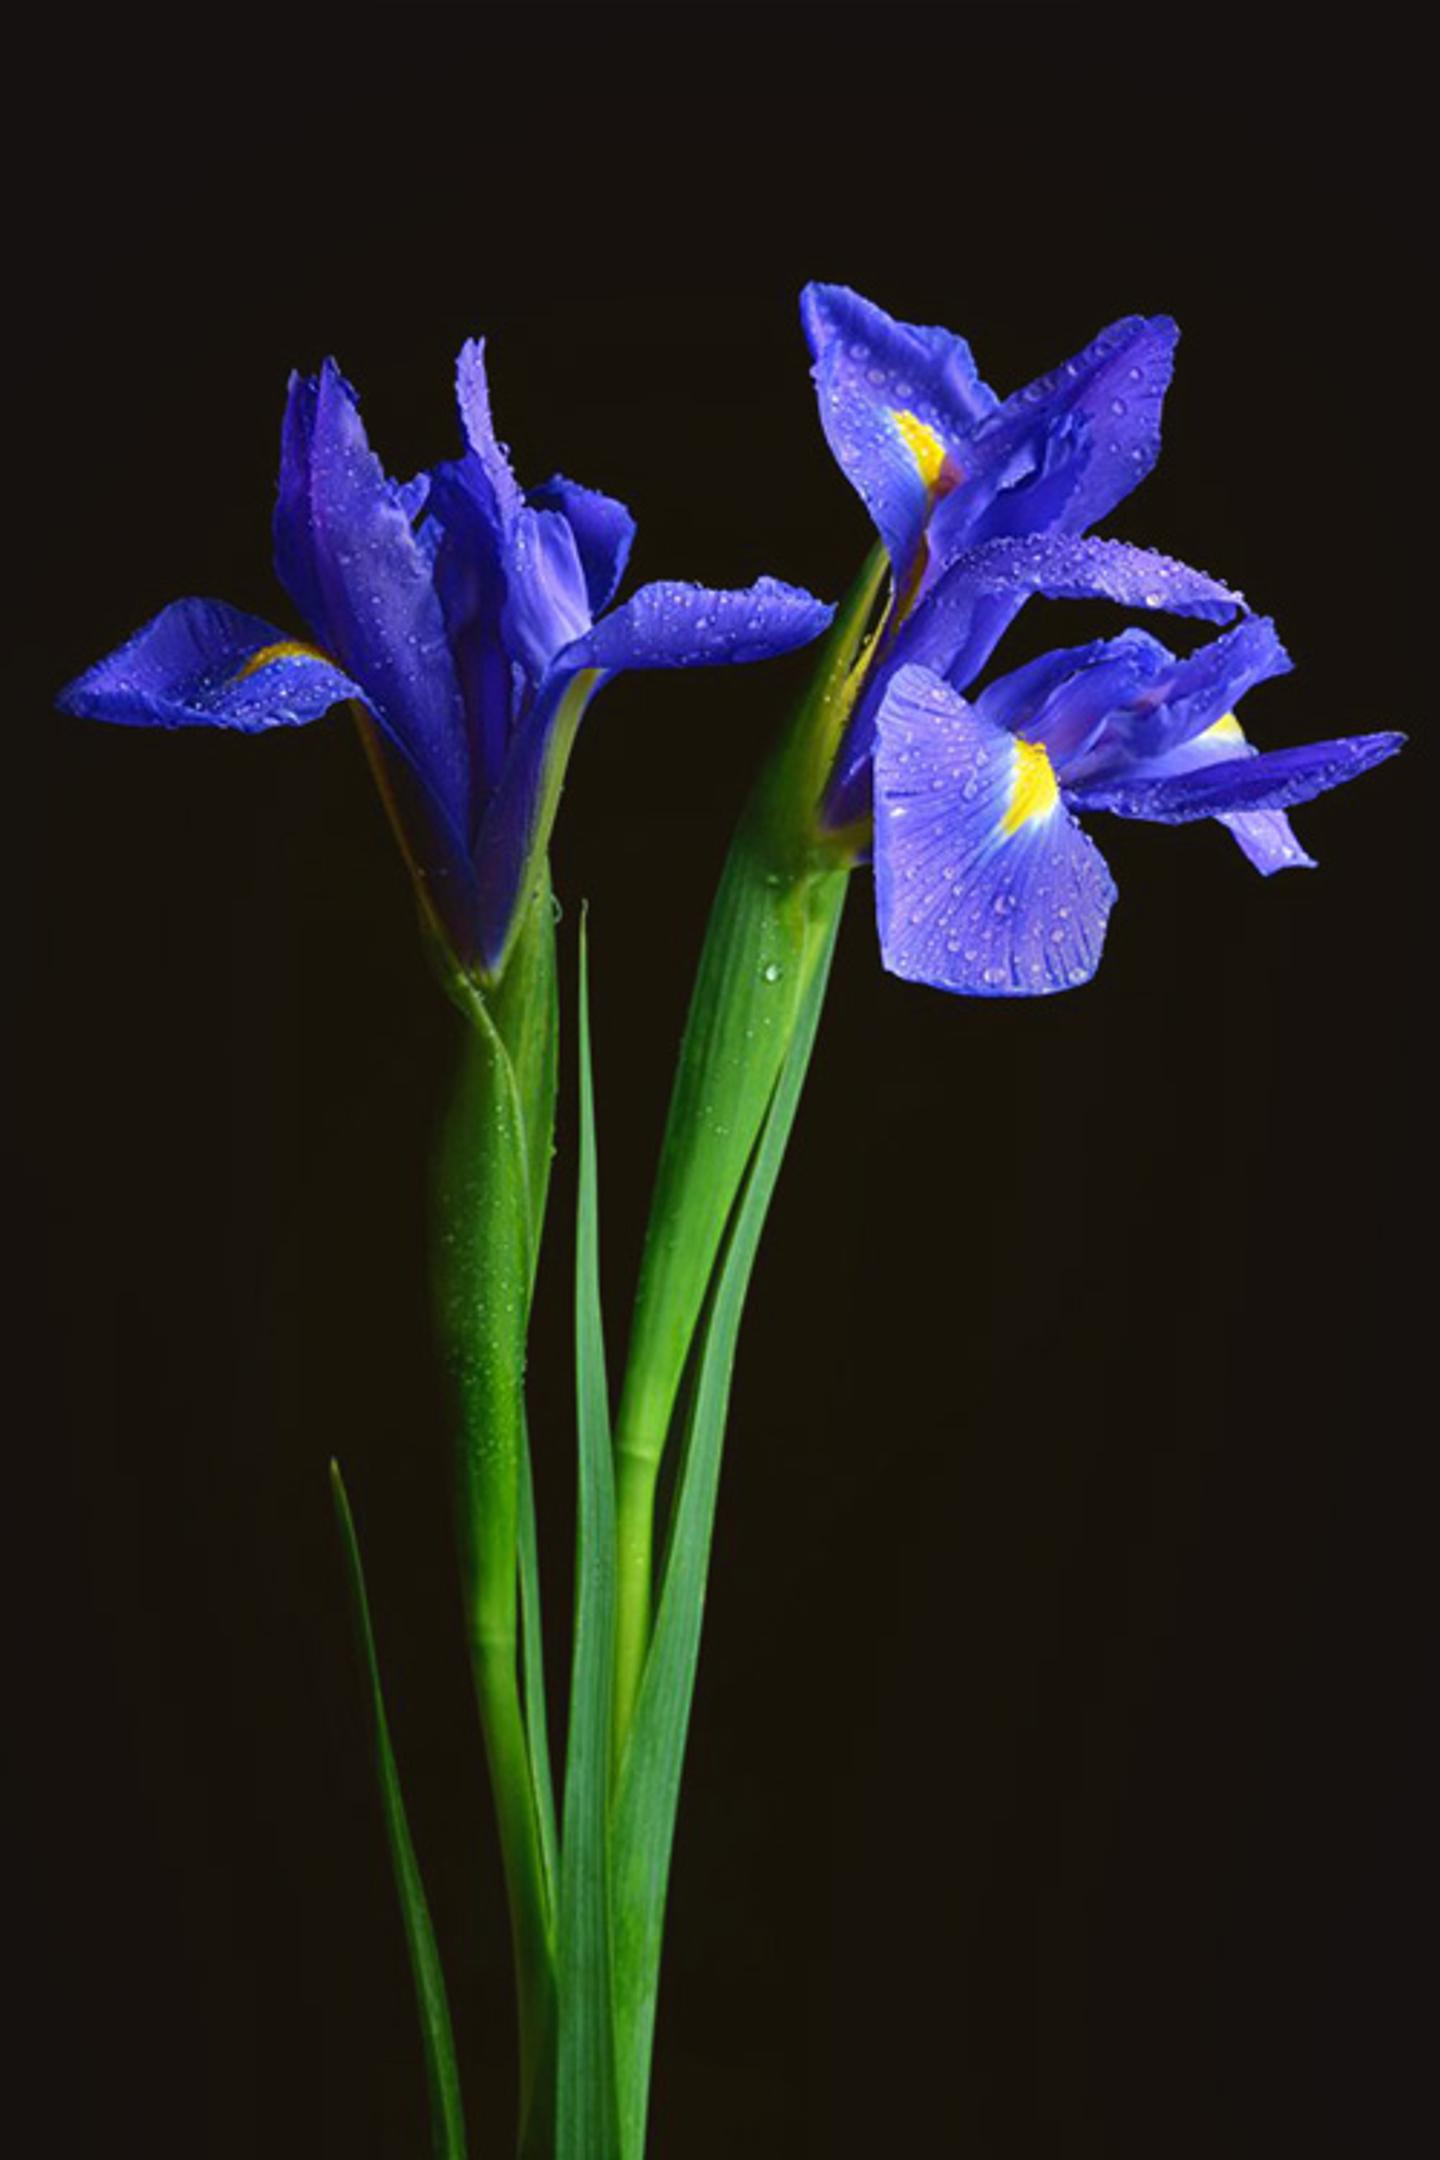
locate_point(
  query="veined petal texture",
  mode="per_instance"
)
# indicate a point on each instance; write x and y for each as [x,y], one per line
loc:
[983,881]
[199,663]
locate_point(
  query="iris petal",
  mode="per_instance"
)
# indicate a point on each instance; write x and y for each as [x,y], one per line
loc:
[1265,839]
[670,625]
[1185,698]
[472,394]
[546,605]
[381,615]
[1269,780]
[983,881]
[956,627]
[292,528]
[1062,452]
[199,663]
[895,400]
[1064,699]
[604,531]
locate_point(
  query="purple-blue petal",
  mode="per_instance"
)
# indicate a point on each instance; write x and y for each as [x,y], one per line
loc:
[671,625]
[868,370]
[604,531]
[199,663]
[381,615]
[1265,839]
[470,582]
[1062,452]
[1064,698]
[511,843]
[292,527]
[967,898]
[955,628]
[472,394]
[546,604]
[1270,780]
[1184,698]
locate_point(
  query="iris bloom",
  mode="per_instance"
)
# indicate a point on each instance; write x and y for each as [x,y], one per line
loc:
[984,881]
[467,622]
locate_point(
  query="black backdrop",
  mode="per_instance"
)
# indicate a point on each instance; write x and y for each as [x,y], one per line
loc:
[1054,1786]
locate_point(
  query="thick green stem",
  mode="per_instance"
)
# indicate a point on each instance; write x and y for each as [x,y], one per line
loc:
[490,1192]
[775,908]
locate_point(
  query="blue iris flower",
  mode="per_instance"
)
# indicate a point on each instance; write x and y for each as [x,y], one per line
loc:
[984,881]
[466,620]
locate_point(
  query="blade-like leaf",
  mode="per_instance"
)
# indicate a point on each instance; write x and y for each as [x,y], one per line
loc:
[587,2118]
[446,2117]
[532,1669]
[648,1793]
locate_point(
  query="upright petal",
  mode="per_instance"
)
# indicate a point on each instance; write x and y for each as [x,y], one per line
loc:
[983,881]
[603,529]
[546,605]
[292,527]
[897,403]
[471,584]
[472,393]
[199,663]
[380,611]
[1062,452]
[673,625]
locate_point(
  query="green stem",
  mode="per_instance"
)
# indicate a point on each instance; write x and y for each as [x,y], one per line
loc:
[777,903]
[493,1173]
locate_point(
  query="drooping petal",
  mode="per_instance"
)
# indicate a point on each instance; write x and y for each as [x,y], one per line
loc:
[380,612]
[1265,839]
[983,881]
[1062,452]
[546,605]
[897,403]
[956,627]
[674,625]
[1268,780]
[604,531]
[1263,836]
[199,663]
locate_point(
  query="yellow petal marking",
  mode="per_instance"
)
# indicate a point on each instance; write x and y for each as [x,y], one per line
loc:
[286,649]
[923,443]
[1227,729]
[1034,790]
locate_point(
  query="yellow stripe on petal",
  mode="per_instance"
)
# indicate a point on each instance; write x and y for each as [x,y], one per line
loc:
[924,445]
[1034,790]
[1226,729]
[285,649]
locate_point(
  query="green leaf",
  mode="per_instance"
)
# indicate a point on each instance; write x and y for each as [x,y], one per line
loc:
[532,1666]
[587,2119]
[446,2116]
[648,1791]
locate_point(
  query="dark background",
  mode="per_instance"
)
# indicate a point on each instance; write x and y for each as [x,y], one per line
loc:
[1055,1782]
